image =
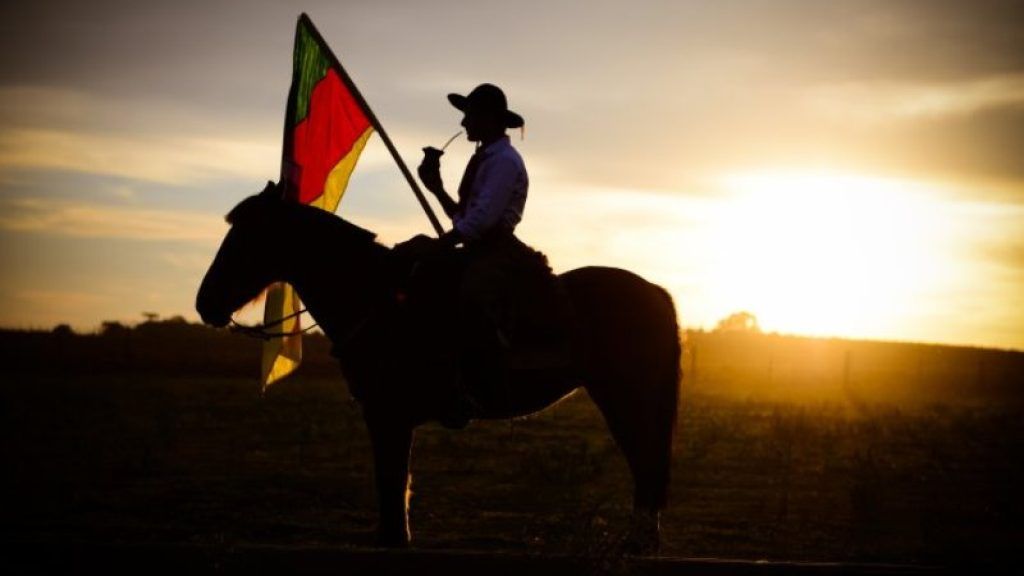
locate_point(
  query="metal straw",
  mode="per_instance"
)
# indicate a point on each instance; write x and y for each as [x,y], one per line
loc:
[450,140]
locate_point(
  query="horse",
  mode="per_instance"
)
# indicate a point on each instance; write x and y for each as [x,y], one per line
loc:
[627,357]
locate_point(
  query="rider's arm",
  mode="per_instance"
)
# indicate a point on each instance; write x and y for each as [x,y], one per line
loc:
[451,207]
[429,171]
[450,238]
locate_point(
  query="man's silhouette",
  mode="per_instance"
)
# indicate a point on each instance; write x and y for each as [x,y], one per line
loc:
[492,194]
[497,272]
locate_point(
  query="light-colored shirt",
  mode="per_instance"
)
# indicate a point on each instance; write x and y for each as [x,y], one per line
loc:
[498,192]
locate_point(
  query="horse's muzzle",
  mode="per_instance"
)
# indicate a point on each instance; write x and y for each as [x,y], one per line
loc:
[216,321]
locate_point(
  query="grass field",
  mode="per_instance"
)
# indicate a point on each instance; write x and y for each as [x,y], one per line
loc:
[131,455]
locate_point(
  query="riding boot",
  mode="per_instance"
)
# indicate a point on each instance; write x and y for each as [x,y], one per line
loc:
[479,378]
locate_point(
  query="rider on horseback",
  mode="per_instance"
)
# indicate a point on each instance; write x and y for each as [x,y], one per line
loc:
[497,274]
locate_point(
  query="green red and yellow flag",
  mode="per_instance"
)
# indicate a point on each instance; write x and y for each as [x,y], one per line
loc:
[326,128]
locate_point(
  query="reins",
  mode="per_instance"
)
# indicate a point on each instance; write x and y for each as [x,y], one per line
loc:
[262,332]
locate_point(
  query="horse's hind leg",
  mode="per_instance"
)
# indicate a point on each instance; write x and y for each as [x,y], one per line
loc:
[392,442]
[630,353]
[639,405]
[643,432]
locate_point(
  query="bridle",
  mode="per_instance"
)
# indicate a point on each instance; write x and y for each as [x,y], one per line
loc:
[262,331]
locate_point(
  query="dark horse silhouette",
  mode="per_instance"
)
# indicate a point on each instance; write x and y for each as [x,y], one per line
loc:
[627,357]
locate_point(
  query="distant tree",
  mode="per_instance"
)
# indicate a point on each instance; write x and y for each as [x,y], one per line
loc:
[63,330]
[110,327]
[151,316]
[739,322]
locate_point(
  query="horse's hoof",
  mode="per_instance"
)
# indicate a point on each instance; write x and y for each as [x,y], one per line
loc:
[644,535]
[640,545]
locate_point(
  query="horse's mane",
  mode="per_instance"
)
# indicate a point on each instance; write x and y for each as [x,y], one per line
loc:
[269,208]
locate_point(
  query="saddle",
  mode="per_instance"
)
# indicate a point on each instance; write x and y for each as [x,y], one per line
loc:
[498,302]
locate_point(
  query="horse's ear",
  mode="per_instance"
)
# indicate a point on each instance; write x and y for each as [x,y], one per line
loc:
[273,191]
[268,199]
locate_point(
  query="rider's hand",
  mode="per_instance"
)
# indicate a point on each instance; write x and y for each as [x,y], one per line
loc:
[429,170]
[417,248]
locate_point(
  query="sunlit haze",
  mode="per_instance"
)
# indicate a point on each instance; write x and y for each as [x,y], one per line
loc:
[845,169]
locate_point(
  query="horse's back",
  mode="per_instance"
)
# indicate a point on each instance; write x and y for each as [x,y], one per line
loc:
[602,281]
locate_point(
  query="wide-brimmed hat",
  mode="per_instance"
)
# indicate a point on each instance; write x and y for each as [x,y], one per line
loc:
[488,98]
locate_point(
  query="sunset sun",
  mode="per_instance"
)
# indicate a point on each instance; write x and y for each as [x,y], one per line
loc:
[829,253]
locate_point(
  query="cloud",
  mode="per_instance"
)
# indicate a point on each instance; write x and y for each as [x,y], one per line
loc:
[157,141]
[980,149]
[187,261]
[46,130]
[68,218]
[62,299]
[155,158]
[889,100]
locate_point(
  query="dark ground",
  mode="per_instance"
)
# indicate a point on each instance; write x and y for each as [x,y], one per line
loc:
[139,451]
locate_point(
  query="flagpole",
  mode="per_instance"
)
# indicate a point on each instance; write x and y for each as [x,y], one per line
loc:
[376,125]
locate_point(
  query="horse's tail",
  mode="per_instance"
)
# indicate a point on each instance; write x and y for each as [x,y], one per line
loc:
[669,374]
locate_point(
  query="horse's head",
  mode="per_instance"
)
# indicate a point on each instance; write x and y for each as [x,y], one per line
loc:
[243,267]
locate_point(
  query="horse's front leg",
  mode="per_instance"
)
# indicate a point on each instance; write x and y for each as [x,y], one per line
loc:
[391,437]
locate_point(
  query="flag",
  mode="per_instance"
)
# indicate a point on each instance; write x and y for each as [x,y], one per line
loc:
[327,125]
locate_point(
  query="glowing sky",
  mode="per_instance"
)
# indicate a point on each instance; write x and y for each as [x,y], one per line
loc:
[837,168]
